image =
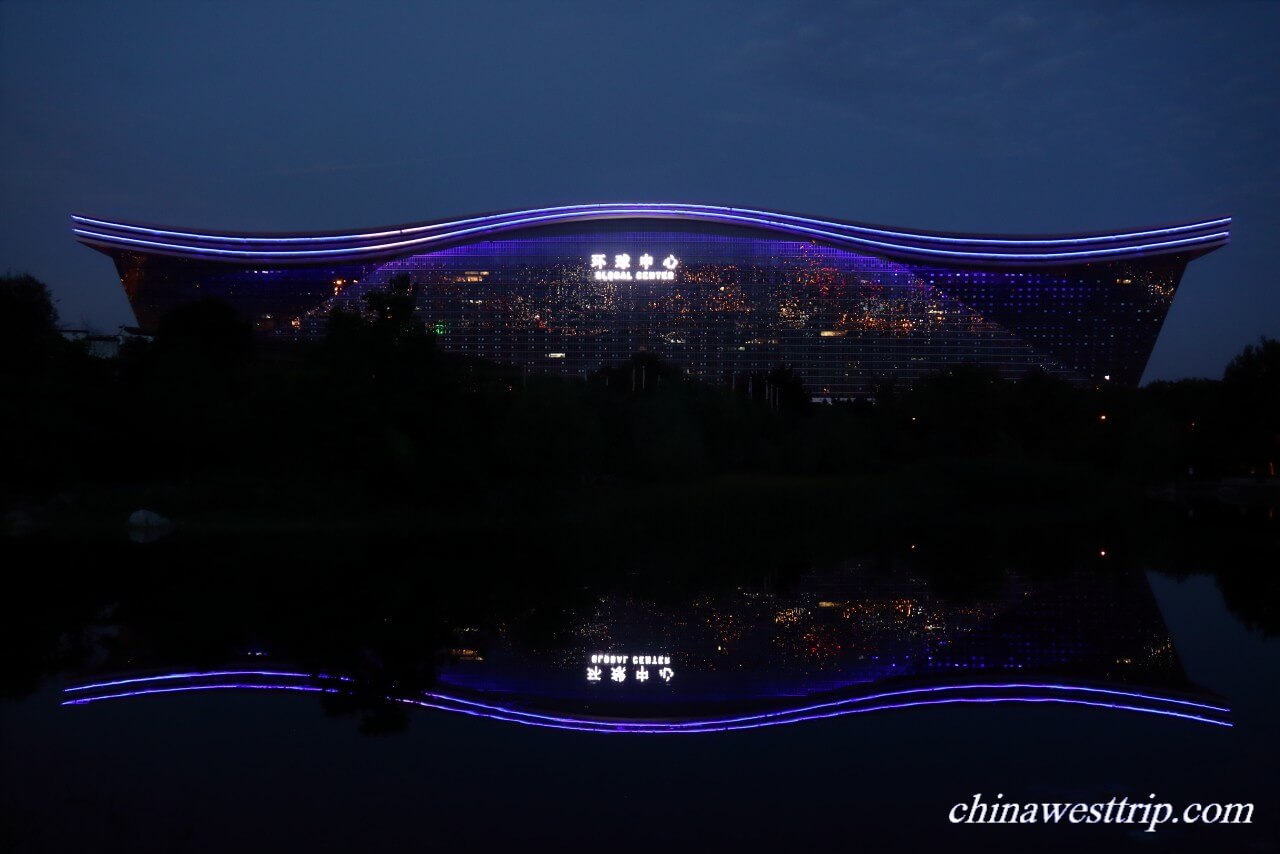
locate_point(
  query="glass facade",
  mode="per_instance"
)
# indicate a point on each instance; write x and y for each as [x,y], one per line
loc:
[719,301]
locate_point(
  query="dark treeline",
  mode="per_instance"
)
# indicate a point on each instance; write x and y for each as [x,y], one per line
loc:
[376,413]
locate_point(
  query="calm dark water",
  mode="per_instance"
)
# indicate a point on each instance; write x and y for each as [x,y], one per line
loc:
[225,769]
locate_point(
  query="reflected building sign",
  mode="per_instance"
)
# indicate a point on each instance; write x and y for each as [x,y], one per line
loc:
[611,667]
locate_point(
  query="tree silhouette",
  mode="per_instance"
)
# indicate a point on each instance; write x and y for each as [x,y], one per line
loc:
[208,333]
[643,374]
[29,334]
[392,307]
[1252,386]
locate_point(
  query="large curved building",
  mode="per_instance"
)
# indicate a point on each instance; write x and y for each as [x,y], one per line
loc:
[721,291]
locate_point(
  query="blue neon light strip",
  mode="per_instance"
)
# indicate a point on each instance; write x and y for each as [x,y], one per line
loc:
[786,223]
[661,208]
[891,248]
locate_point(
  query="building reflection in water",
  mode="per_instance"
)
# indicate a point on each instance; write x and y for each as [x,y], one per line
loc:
[842,640]
[836,628]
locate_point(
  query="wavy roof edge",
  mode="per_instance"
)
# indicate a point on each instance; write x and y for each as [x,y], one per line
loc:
[941,248]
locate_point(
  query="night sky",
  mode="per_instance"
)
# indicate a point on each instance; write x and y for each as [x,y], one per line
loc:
[1003,117]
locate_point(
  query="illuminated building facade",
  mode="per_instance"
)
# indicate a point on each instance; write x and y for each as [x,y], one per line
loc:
[722,292]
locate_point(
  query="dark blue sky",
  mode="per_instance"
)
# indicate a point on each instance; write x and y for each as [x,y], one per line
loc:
[960,116]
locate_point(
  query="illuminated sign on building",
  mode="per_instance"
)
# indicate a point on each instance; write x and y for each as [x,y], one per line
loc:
[608,667]
[621,269]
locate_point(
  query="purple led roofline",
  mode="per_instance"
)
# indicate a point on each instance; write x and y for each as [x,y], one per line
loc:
[785,223]
[890,248]
[672,208]
[1094,697]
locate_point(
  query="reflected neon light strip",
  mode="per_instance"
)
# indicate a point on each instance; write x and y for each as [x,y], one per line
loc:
[819,711]
[667,208]
[511,716]
[976,686]
[182,689]
[511,224]
[204,674]
[648,729]
[862,699]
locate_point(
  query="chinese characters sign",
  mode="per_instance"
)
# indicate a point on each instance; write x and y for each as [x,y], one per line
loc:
[608,667]
[624,268]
